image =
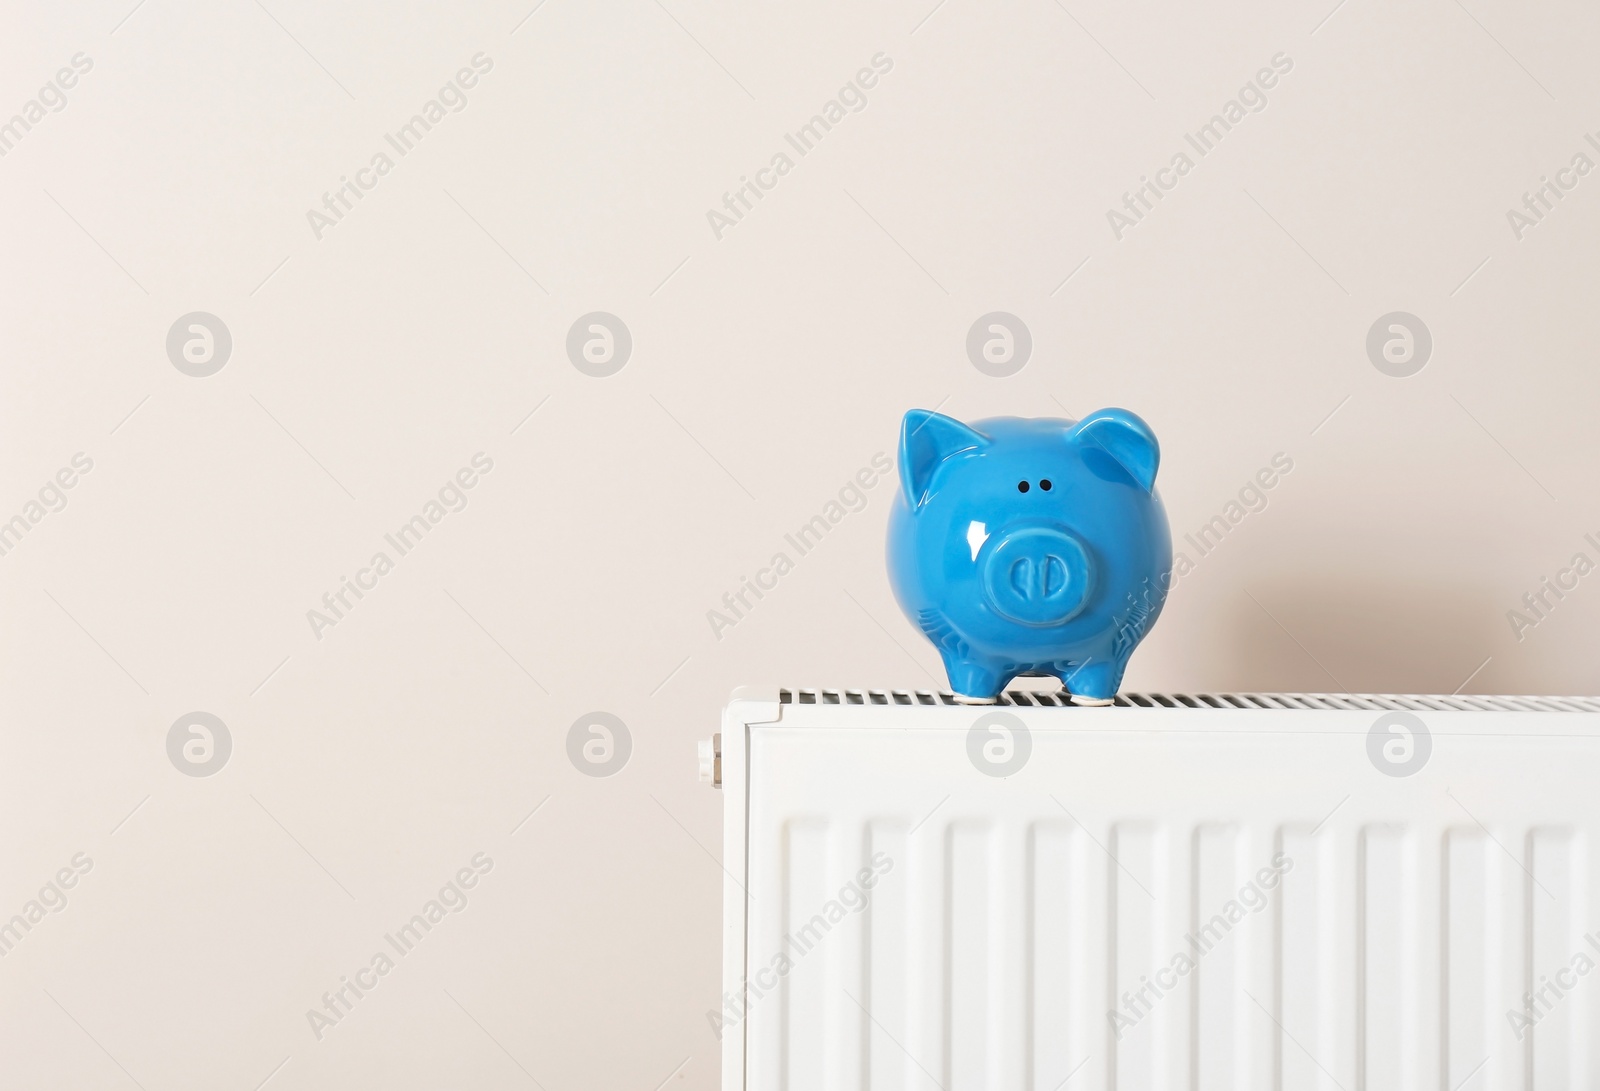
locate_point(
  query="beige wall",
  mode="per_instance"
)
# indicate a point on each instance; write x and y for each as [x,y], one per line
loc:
[373,759]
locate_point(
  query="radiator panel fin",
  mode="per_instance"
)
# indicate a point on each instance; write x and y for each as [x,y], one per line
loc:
[1162,909]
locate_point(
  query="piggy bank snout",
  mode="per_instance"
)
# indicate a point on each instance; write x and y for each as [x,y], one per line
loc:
[1037,576]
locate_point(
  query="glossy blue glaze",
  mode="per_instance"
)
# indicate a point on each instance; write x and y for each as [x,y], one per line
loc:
[1063,580]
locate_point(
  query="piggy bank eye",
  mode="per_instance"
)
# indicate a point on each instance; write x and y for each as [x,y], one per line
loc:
[1022,486]
[1045,484]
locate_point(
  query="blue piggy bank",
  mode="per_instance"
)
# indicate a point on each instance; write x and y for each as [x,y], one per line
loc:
[1035,547]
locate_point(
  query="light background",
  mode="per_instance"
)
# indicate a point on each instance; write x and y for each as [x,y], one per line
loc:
[768,367]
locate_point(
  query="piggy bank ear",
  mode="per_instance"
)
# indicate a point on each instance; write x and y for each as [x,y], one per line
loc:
[927,439]
[1126,438]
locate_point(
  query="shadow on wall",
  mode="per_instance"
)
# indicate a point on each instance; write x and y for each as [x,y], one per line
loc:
[1337,632]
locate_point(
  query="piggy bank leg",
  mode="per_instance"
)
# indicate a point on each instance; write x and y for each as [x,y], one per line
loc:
[1094,682]
[973,682]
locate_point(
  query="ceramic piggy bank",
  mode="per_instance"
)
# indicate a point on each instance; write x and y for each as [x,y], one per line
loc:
[1030,547]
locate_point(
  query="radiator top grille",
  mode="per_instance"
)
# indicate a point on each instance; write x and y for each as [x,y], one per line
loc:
[1320,701]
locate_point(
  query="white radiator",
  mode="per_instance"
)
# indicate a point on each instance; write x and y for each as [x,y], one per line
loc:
[1220,892]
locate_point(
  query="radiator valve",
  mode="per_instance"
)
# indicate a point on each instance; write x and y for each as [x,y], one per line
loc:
[711,760]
